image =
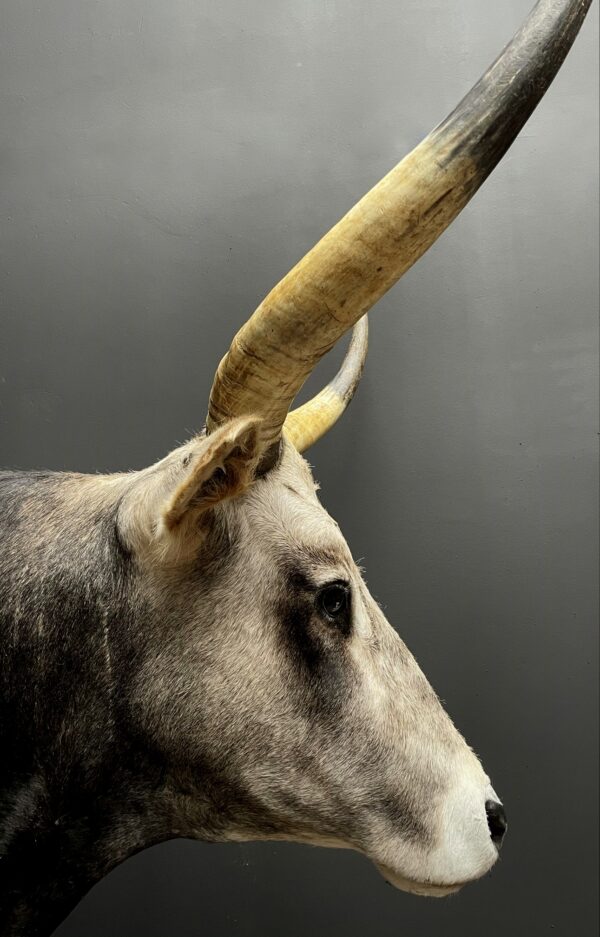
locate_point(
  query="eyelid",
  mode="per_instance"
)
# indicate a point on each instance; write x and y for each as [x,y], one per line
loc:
[340,584]
[329,582]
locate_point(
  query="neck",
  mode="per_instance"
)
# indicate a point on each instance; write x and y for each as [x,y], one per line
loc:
[75,790]
[57,844]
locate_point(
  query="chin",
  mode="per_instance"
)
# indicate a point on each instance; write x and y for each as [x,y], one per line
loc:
[425,889]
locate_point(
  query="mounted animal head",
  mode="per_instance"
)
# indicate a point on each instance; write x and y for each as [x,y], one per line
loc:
[234,629]
[294,684]
[275,667]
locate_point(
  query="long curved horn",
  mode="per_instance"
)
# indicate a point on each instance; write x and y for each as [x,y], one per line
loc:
[305,425]
[356,262]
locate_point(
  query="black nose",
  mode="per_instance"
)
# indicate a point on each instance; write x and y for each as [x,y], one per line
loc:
[496,818]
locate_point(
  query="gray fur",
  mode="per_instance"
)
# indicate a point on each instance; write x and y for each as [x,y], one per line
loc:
[159,684]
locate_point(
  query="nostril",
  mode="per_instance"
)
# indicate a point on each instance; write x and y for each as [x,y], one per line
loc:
[496,818]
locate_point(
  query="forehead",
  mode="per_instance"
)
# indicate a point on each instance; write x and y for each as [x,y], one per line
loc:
[283,510]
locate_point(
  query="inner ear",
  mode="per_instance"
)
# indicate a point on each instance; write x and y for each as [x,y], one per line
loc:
[224,468]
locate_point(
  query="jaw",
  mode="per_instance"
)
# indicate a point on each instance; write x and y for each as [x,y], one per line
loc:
[426,889]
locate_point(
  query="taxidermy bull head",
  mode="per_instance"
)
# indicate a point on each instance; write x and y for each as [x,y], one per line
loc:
[190,650]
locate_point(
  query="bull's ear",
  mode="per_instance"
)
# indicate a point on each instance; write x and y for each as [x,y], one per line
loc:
[223,466]
[169,508]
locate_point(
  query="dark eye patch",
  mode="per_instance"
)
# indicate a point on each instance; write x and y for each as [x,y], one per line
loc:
[315,640]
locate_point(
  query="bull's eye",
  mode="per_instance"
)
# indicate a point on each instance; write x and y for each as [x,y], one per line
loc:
[334,601]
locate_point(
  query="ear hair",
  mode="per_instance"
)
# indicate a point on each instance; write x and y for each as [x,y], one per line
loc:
[224,469]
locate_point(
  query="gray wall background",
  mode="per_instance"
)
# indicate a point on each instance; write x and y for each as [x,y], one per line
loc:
[163,164]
